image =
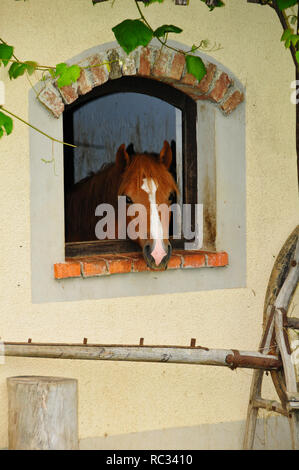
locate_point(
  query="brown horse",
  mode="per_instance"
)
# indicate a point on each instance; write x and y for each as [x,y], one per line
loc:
[143,179]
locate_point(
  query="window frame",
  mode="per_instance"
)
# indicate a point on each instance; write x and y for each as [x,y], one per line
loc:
[157,89]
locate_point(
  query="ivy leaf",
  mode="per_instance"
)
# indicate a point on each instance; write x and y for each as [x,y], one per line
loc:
[294,39]
[131,34]
[5,123]
[195,66]
[67,74]
[286,37]
[283,4]
[6,53]
[293,19]
[16,70]
[149,2]
[19,68]
[31,66]
[166,28]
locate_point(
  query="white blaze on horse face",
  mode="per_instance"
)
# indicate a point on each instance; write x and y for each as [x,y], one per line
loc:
[156,229]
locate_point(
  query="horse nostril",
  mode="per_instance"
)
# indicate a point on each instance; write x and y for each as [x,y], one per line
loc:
[147,249]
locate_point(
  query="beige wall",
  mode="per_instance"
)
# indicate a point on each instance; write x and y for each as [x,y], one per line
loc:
[119,398]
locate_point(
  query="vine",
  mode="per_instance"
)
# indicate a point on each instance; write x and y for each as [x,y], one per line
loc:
[130,34]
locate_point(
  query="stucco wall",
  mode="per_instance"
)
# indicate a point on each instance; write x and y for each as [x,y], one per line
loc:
[119,398]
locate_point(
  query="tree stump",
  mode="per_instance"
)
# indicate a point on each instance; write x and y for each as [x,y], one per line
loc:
[42,413]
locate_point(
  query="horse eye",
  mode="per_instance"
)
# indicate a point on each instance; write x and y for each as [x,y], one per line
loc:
[171,197]
[128,200]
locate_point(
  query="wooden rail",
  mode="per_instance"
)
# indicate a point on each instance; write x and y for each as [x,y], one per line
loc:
[170,354]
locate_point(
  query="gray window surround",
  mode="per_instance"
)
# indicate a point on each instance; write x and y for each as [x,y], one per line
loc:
[221,164]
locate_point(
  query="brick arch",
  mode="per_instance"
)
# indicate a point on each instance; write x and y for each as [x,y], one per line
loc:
[167,66]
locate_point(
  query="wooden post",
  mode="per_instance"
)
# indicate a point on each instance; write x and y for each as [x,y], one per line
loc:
[42,413]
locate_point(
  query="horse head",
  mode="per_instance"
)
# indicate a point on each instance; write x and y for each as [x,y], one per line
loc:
[149,188]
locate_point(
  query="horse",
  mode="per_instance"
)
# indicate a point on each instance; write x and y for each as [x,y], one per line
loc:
[143,178]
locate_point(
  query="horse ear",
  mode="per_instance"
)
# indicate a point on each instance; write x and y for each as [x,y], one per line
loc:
[166,155]
[122,158]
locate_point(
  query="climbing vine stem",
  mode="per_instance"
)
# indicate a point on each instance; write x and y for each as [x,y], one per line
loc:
[35,128]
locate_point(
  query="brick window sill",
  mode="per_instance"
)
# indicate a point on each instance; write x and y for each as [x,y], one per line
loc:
[105,265]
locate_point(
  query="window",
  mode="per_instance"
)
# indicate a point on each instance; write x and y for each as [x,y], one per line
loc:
[212,138]
[148,112]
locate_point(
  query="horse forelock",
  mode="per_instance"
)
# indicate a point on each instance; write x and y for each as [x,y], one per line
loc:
[147,166]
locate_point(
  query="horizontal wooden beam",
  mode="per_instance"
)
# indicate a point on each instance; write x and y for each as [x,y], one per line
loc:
[270,405]
[170,354]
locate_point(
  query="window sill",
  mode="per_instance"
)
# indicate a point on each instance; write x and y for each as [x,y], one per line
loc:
[105,265]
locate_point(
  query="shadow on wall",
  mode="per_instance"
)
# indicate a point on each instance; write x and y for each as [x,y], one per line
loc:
[272,433]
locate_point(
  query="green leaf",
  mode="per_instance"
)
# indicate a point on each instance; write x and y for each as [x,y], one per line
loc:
[67,74]
[131,34]
[149,2]
[297,56]
[16,70]
[52,73]
[5,123]
[294,39]
[286,37]
[31,66]
[195,66]
[166,28]
[6,53]
[293,19]
[283,4]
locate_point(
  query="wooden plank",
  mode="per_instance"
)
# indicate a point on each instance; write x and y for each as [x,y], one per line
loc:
[102,247]
[270,405]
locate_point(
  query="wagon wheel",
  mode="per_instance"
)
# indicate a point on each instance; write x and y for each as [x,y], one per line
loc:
[275,340]
[278,276]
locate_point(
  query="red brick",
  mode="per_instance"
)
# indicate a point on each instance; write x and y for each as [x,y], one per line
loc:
[139,265]
[189,79]
[65,270]
[162,65]
[134,262]
[205,83]
[177,66]
[84,85]
[220,88]
[96,267]
[217,259]
[69,93]
[116,266]
[145,62]
[99,73]
[194,260]
[50,97]
[174,262]
[189,90]
[232,102]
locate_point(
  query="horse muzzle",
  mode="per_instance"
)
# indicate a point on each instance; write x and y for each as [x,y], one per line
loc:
[157,253]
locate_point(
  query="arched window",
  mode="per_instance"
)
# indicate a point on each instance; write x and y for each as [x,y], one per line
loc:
[131,110]
[208,134]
